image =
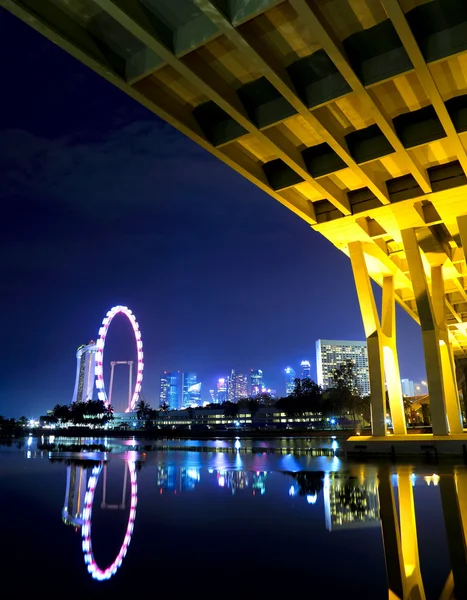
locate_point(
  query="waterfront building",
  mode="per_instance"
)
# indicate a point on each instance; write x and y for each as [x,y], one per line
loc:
[306,369]
[256,382]
[85,372]
[289,380]
[164,389]
[188,383]
[221,390]
[170,389]
[331,354]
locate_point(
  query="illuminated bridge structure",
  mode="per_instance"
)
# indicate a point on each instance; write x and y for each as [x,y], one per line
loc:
[351,113]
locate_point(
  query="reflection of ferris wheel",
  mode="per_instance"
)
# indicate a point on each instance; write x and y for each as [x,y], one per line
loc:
[100,344]
[93,568]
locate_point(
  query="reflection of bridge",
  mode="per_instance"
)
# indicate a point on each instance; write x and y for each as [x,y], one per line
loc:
[352,114]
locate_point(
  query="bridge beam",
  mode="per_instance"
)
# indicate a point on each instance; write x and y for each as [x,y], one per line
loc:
[444,400]
[381,345]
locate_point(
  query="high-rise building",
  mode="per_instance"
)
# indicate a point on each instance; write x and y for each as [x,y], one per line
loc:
[408,388]
[85,373]
[256,382]
[306,369]
[164,391]
[221,390]
[188,381]
[213,396]
[289,381]
[331,354]
[237,386]
[170,389]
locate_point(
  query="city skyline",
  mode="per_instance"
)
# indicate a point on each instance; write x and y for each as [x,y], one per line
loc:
[67,157]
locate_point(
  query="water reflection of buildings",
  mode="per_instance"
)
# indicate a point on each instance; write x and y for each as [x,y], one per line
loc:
[176,479]
[350,502]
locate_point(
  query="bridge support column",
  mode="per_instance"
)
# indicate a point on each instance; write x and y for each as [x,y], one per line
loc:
[444,401]
[381,344]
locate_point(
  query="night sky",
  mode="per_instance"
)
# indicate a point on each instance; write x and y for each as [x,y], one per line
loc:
[104,204]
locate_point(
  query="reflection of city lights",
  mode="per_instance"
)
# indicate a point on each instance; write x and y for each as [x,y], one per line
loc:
[193,474]
[413,478]
[29,440]
[89,560]
[291,491]
[28,454]
[434,479]
[210,471]
[221,481]
[311,498]
[237,444]
[334,445]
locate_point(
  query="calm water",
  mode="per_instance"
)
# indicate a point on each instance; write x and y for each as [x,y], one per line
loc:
[246,519]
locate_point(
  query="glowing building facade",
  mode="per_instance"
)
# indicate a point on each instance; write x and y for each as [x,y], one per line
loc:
[85,373]
[221,390]
[331,354]
[164,391]
[306,369]
[256,382]
[237,386]
[289,380]
[170,389]
[188,381]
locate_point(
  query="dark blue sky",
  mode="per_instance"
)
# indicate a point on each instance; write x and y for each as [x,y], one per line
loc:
[104,204]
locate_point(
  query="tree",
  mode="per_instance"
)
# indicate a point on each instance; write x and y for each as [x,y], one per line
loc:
[164,406]
[344,395]
[62,412]
[142,410]
[230,409]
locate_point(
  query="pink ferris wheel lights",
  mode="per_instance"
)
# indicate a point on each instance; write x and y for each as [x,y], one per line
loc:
[95,571]
[100,345]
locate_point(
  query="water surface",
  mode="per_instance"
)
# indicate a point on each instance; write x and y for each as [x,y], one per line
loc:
[244,518]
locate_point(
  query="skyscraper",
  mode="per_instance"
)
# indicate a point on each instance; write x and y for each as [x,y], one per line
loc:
[306,369]
[408,388]
[188,381]
[256,382]
[221,390]
[237,386]
[164,393]
[170,389]
[85,373]
[331,354]
[289,381]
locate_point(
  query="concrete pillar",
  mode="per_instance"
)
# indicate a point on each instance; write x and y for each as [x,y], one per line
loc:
[430,338]
[381,343]
[444,400]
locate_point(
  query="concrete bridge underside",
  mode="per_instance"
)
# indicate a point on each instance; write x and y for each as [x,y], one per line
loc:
[351,113]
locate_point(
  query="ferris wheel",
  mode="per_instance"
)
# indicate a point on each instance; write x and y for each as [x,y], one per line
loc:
[100,345]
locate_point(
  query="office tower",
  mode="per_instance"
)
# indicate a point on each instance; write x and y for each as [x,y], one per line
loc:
[164,391]
[331,354]
[170,389]
[213,396]
[256,382]
[194,394]
[289,381]
[408,388]
[188,381]
[237,386]
[221,390]
[85,373]
[306,369]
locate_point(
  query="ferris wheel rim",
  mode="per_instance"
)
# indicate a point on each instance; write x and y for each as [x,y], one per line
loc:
[100,345]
